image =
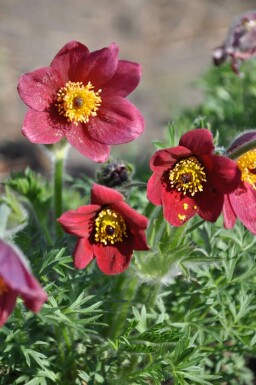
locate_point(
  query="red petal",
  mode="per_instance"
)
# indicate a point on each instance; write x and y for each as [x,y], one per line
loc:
[38,88]
[228,213]
[223,175]
[210,204]
[7,305]
[178,208]
[78,222]
[67,58]
[113,259]
[101,195]
[79,138]
[154,189]
[38,128]
[162,160]
[199,141]
[125,80]
[83,253]
[118,121]
[98,67]
[131,216]
[243,201]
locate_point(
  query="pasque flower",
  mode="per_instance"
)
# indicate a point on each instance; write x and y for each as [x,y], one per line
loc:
[240,43]
[81,96]
[241,203]
[190,179]
[108,230]
[16,280]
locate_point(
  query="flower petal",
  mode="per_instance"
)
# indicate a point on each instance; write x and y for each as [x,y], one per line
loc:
[178,208]
[154,189]
[124,81]
[222,173]
[162,160]
[118,121]
[113,259]
[38,128]
[198,141]
[229,215]
[83,253]
[78,222]
[38,88]
[7,305]
[243,202]
[102,195]
[79,138]
[210,204]
[67,58]
[134,219]
[98,67]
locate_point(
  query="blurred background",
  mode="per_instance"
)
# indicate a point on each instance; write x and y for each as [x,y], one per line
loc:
[172,39]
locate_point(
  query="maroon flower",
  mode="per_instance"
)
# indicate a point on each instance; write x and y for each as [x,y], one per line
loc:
[16,279]
[240,43]
[81,96]
[190,179]
[241,203]
[109,230]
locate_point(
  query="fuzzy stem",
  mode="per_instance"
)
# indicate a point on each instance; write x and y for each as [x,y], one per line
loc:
[59,155]
[242,150]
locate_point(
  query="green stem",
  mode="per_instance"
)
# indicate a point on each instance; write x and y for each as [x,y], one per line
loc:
[242,150]
[59,154]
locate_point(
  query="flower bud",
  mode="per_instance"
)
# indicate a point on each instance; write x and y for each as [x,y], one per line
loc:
[115,173]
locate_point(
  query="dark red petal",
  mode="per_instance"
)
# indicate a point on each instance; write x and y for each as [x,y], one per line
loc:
[118,121]
[38,88]
[68,57]
[113,259]
[101,195]
[78,222]
[83,253]
[154,189]
[38,128]
[98,67]
[223,175]
[229,215]
[79,138]
[162,160]
[7,305]
[210,204]
[243,201]
[16,274]
[199,141]
[133,219]
[139,240]
[124,81]
[178,208]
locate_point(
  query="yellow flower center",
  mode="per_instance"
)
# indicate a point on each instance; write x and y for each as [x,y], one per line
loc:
[247,165]
[3,287]
[78,102]
[110,227]
[187,176]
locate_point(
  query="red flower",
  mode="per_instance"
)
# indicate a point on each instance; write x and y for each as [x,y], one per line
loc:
[16,279]
[81,96]
[240,43]
[241,203]
[109,230]
[190,179]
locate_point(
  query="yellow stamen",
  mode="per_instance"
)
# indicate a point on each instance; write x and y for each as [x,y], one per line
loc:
[188,176]
[247,165]
[3,287]
[182,217]
[110,227]
[185,206]
[78,102]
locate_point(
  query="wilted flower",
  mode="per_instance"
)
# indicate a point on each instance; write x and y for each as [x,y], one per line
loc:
[241,203]
[114,173]
[81,96]
[240,43]
[109,230]
[16,280]
[189,179]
